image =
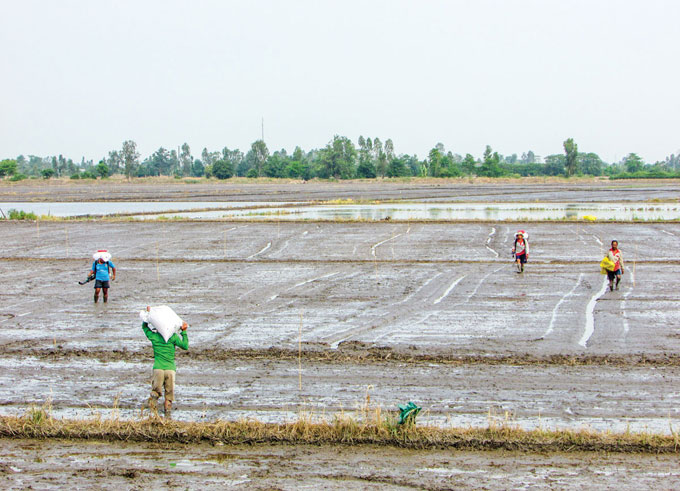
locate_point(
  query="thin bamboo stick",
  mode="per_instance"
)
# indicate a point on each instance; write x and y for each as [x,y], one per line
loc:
[300,353]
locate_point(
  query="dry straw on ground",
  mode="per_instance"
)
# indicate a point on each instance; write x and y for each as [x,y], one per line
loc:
[374,428]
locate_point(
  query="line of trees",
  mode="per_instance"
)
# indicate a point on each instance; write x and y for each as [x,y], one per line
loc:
[339,159]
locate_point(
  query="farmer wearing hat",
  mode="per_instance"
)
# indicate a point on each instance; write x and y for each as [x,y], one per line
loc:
[521,250]
[100,269]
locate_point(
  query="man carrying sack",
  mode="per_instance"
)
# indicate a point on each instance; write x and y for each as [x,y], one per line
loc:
[164,368]
[101,269]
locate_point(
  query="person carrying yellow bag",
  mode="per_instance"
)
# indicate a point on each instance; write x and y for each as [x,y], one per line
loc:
[612,265]
[606,265]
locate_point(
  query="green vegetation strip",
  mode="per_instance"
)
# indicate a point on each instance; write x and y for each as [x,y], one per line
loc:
[342,430]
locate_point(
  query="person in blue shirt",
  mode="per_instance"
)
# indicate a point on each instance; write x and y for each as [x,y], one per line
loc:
[100,269]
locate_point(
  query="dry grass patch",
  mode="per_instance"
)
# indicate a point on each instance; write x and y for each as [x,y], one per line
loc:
[376,429]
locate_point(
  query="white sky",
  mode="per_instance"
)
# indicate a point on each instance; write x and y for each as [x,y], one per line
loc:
[79,77]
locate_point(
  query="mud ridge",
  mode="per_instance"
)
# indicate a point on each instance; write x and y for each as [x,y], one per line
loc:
[344,431]
[353,352]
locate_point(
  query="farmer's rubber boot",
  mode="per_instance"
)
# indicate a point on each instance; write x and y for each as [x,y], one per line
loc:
[522,268]
[611,286]
[96,298]
[106,297]
[617,283]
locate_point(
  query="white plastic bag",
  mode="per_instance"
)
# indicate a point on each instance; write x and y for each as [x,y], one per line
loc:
[102,253]
[163,320]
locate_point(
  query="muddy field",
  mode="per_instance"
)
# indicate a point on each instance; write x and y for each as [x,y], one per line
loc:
[470,190]
[429,312]
[77,465]
[319,318]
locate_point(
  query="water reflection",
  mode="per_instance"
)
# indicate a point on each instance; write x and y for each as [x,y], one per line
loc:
[124,207]
[366,212]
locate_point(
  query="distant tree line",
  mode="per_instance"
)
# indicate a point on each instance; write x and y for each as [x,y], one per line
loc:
[339,159]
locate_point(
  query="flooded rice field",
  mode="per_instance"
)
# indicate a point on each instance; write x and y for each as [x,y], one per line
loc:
[443,211]
[293,317]
[103,208]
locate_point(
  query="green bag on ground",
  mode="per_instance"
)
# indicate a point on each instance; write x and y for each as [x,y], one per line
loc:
[408,413]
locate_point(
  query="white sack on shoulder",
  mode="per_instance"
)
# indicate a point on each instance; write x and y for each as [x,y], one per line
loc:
[163,320]
[105,255]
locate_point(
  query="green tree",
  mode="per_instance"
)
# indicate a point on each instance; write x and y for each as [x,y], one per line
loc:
[469,165]
[47,173]
[338,158]
[8,167]
[185,160]
[197,169]
[209,158]
[398,168]
[276,164]
[102,170]
[260,154]
[298,166]
[379,158]
[633,163]
[571,156]
[555,165]
[114,161]
[490,166]
[161,162]
[130,158]
[590,164]
[366,168]
[174,169]
[528,157]
[222,169]
[435,161]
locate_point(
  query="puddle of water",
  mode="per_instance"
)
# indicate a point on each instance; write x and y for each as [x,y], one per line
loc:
[450,211]
[367,212]
[112,208]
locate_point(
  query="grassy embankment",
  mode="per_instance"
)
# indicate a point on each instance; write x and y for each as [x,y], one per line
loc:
[374,429]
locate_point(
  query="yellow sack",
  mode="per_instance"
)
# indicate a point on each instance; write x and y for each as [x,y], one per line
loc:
[606,265]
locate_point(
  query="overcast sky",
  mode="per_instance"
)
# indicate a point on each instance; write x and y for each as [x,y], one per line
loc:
[80,77]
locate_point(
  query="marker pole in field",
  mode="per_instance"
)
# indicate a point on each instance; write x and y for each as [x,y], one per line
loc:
[634,261]
[300,353]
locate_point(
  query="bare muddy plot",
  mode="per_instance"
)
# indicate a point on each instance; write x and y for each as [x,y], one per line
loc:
[439,288]
[274,390]
[367,298]
[77,464]
[459,190]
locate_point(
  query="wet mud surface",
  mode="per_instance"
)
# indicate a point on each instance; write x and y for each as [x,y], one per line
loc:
[427,312]
[77,464]
[391,312]
[478,190]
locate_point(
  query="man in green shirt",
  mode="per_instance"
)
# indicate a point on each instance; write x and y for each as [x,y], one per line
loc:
[164,366]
